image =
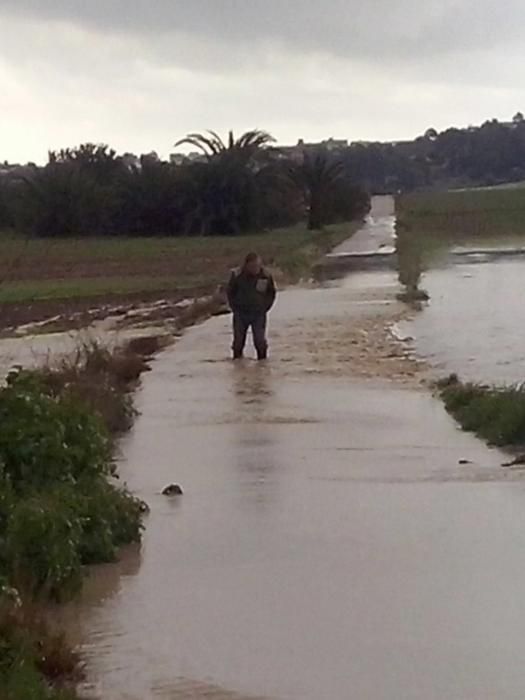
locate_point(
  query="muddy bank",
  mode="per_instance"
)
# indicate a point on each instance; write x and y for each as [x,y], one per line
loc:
[135,310]
[144,326]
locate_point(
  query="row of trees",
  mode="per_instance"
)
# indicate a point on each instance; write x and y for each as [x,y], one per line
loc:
[239,185]
[490,154]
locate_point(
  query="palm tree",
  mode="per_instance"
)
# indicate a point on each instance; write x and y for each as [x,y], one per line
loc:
[228,183]
[248,146]
[97,160]
[316,176]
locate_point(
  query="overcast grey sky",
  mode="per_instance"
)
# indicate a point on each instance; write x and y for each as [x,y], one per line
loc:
[139,74]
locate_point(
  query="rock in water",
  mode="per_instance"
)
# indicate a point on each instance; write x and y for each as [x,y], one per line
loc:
[143,507]
[172,490]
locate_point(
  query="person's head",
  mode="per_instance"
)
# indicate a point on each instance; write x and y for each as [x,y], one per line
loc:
[252,264]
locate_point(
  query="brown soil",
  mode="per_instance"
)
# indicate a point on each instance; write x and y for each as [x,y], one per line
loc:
[68,263]
[67,314]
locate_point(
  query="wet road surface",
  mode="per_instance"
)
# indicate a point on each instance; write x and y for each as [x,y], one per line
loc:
[378,233]
[328,544]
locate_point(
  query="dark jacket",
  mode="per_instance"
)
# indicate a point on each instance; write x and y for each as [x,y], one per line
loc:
[251,294]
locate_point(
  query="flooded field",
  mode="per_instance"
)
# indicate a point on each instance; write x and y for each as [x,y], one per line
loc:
[474,324]
[329,544]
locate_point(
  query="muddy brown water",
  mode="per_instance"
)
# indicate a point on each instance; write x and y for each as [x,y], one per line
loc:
[474,324]
[328,544]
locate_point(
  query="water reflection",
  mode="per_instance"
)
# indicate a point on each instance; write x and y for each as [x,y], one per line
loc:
[251,385]
[186,689]
[410,258]
[255,437]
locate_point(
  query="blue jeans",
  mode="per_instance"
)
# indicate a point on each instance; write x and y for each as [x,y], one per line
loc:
[242,322]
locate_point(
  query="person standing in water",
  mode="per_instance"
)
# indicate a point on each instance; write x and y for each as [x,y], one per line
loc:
[251,294]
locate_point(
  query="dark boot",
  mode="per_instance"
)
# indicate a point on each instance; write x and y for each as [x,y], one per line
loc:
[240,331]
[259,337]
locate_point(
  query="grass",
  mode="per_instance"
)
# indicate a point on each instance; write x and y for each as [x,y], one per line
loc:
[101,379]
[35,664]
[26,291]
[43,270]
[60,509]
[459,213]
[496,414]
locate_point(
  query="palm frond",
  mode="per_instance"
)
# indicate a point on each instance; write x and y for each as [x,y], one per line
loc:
[219,143]
[209,146]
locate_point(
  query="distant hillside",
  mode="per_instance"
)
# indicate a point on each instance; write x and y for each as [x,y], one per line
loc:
[486,155]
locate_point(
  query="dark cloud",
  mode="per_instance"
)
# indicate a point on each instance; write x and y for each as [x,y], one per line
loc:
[141,73]
[375,29]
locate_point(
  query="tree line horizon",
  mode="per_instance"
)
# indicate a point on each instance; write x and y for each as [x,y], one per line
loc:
[241,185]
[246,184]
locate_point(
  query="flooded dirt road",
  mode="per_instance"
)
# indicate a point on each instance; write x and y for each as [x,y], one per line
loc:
[378,232]
[328,544]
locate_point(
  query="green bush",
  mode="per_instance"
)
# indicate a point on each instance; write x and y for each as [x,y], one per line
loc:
[496,414]
[46,439]
[43,541]
[459,396]
[34,664]
[58,510]
[108,518]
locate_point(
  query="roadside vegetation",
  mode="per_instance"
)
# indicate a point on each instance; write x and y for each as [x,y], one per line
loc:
[411,263]
[496,414]
[61,508]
